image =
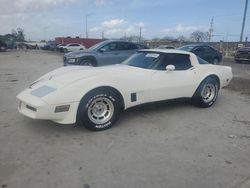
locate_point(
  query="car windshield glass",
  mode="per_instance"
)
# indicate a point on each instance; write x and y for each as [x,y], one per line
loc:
[186,48]
[144,60]
[97,46]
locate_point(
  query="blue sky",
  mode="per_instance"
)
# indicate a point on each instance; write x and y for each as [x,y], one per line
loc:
[116,18]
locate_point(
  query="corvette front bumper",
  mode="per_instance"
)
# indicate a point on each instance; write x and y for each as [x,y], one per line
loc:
[36,108]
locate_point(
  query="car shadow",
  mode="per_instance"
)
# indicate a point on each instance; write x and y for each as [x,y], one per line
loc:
[155,109]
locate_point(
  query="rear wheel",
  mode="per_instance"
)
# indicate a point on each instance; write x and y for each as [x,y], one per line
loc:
[99,109]
[207,93]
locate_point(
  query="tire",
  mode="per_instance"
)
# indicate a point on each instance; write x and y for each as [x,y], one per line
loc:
[99,109]
[207,93]
[65,50]
[87,62]
[3,48]
[216,61]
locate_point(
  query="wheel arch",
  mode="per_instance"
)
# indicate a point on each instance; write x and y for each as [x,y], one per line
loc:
[213,76]
[116,91]
[91,58]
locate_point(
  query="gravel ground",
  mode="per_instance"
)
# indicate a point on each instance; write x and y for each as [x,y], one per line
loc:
[241,80]
[172,144]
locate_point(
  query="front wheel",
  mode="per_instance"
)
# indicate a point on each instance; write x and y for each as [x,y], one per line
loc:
[207,93]
[87,62]
[3,48]
[99,109]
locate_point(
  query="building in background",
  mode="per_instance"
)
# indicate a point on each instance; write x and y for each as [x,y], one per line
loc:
[87,42]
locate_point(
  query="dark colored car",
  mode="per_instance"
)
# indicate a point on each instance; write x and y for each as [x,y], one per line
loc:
[205,52]
[3,46]
[50,46]
[103,53]
[242,55]
[165,47]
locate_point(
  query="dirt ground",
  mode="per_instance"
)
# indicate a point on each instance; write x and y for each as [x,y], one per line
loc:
[241,79]
[172,144]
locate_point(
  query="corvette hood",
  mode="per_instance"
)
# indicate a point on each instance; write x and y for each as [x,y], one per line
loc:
[67,75]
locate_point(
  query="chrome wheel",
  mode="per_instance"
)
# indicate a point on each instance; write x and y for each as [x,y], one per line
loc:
[208,93]
[100,110]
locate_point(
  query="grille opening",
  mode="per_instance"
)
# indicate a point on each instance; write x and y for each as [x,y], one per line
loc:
[31,108]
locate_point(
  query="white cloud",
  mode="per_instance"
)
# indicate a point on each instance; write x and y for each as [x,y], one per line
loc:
[95,29]
[118,28]
[26,6]
[113,23]
[100,2]
[179,28]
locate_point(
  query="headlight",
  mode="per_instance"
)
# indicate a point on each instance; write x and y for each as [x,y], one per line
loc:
[71,60]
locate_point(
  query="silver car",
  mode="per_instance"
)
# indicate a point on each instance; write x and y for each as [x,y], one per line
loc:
[104,53]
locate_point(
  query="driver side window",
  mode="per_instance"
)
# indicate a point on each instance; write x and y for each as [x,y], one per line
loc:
[199,51]
[110,47]
[180,61]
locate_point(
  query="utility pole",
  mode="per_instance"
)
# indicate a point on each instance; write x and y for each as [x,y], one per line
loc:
[102,34]
[140,36]
[243,22]
[86,24]
[211,30]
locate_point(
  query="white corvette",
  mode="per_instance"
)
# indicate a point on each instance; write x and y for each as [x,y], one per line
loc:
[94,96]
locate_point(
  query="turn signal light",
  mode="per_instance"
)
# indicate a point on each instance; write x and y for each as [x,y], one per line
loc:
[63,108]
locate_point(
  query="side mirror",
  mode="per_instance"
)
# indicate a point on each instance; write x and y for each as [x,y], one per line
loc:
[102,50]
[170,68]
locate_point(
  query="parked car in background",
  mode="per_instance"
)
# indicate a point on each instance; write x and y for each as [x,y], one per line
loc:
[59,47]
[95,96]
[3,46]
[165,47]
[50,46]
[205,52]
[242,55]
[73,47]
[142,46]
[103,53]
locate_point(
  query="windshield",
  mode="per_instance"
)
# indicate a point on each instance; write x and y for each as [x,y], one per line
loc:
[144,60]
[97,46]
[201,61]
[186,48]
